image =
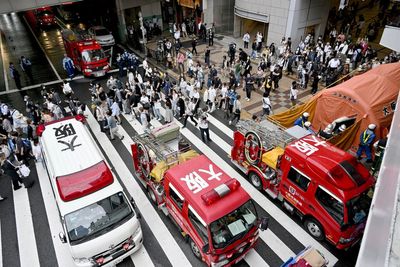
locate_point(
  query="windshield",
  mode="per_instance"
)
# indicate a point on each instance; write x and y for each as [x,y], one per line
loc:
[91,220]
[92,55]
[234,225]
[358,208]
[331,204]
[355,171]
[101,32]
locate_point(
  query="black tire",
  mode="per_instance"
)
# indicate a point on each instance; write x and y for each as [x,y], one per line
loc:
[195,249]
[314,228]
[152,195]
[255,180]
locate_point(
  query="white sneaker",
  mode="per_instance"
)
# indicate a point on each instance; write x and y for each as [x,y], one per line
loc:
[248,99]
[230,122]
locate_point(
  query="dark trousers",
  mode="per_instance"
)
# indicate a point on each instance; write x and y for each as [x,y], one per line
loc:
[248,92]
[191,117]
[246,44]
[16,181]
[236,116]
[194,50]
[206,132]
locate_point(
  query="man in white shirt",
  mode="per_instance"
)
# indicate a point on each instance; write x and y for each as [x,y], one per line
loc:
[246,39]
[203,125]
[334,63]
[212,94]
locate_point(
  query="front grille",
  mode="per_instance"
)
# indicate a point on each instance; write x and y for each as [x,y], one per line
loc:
[237,254]
[113,253]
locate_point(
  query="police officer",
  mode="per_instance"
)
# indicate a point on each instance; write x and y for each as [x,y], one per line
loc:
[301,120]
[366,139]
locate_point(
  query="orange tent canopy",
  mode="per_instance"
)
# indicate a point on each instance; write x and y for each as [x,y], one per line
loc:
[370,97]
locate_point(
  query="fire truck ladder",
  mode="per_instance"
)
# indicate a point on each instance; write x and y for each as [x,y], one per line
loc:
[161,150]
[270,137]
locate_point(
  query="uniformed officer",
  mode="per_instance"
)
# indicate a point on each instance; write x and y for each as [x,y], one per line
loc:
[366,139]
[301,120]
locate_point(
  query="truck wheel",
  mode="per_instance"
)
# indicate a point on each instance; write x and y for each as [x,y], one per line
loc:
[151,194]
[195,249]
[314,228]
[255,180]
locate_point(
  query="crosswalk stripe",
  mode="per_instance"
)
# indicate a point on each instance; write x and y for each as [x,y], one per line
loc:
[225,129]
[164,237]
[25,231]
[298,232]
[142,258]
[64,257]
[276,245]
[254,259]
[156,123]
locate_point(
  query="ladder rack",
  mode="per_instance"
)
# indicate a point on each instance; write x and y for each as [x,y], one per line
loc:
[161,150]
[271,135]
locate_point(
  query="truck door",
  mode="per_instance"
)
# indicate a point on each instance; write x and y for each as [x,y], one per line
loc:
[175,202]
[295,189]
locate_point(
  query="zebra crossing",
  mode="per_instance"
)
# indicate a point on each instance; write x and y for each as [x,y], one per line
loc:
[163,243]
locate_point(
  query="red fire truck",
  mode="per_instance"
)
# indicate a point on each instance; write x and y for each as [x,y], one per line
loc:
[327,187]
[86,53]
[212,210]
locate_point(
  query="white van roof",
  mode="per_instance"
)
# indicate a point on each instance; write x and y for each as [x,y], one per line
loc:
[69,147]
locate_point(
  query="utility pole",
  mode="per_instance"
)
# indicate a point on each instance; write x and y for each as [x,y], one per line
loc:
[144,40]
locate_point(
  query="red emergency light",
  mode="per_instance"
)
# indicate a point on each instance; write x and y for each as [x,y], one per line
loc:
[85,182]
[220,191]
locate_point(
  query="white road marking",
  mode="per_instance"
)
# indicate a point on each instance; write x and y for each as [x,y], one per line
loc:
[4,63]
[298,232]
[254,259]
[44,52]
[157,226]
[63,254]
[25,231]
[225,129]
[142,258]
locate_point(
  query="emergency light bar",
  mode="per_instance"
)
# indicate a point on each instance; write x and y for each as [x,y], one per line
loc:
[220,191]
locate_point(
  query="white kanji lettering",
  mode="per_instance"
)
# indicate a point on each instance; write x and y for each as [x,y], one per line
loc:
[212,173]
[313,138]
[194,182]
[305,147]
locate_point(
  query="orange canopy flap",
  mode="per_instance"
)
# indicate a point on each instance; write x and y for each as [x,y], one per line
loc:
[370,97]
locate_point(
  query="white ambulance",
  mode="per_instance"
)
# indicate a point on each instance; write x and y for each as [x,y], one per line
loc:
[99,222]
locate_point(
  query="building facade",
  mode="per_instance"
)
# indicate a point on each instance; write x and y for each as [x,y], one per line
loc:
[277,19]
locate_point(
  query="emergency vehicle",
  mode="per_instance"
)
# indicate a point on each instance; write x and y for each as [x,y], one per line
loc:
[45,17]
[214,213]
[327,187]
[86,53]
[99,222]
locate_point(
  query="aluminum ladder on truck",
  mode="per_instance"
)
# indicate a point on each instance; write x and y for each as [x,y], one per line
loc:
[270,134]
[161,150]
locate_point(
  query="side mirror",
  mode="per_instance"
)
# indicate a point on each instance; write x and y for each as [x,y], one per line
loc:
[62,237]
[133,202]
[264,222]
[206,248]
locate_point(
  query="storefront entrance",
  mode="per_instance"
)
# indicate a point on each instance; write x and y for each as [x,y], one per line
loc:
[253,26]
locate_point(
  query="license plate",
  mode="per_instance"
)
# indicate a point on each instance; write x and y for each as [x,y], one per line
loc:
[117,254]
[99,73]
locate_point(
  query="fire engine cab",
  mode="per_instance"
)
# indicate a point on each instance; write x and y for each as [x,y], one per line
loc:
[99,222]
[86,53]
[327,187]
[214,213]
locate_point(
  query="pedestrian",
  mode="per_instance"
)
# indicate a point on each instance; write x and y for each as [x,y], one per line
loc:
[254,49]
[68,66]
[169,116]
[203,125]
[266,104]
[314,85]
[116,111]
[293,93]
[210,37]
[180,59]
[207,56]
[366,141]
[10,170]
[249,86]
[181,105]
[101,115]
[246,40]
[14,74]
[275,76]
[67,90]
[237,109]
[26,67]
[112,126]
[194,44]
[190,106]
[183,29]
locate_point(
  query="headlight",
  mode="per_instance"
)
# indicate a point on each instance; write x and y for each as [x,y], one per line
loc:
[87,70]
[345,240]
[83,260]
[105,67]
[138,230]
